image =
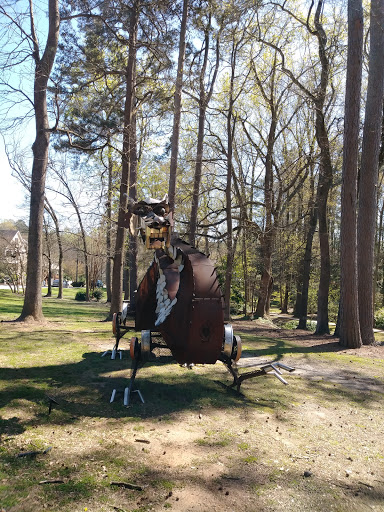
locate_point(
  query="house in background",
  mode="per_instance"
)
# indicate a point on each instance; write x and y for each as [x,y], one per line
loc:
[13,258]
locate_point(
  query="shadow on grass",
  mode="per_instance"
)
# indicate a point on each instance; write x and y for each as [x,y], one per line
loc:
[83,389]
[278,348]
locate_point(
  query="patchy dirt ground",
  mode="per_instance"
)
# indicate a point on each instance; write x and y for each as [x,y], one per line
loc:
[316,444]
[317,369]
[196,445]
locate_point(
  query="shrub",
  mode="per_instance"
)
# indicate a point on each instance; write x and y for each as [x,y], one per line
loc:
[292,324]
[379,319]
[81,295]
[97,294]
[78,284]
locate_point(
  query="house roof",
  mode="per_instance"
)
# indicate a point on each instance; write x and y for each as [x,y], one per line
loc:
[8,234]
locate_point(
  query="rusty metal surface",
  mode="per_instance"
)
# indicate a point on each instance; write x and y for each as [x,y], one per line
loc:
[146,300]
[171,273]
[206,282]
[194,330]
[205,335]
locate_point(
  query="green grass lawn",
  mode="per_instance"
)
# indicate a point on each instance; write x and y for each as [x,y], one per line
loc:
[54,310]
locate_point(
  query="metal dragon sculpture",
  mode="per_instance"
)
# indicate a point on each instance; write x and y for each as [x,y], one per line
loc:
[178,302]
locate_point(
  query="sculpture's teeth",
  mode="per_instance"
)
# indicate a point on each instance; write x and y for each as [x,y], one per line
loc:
[160,287]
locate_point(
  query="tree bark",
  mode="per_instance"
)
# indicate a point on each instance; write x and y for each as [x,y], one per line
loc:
[119,253]
[197,178]
[49,258]
[85,250]
[306,271]
[177,109]
[204,99]
[348,325]
[132,254]
[324,185]
[366,223]
[228,194]
[51,212]
[305,265]
[325,179]
[109,230]
[32,307]
[268,237]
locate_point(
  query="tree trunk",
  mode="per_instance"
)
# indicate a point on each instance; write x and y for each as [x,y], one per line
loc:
[109,230]
[378,258]
[49,258]
[32,307]
[325,179]
[197,178]
[285,299]
[305,269]
[51,212]
[245,273]
[322,326]
[132,254]
[268,237]
[266,277]
[306,272]
[366,223]
[230,250]
[119,254]
[177,109]
[204,99]
[228,196]
[85,251]
[348,325]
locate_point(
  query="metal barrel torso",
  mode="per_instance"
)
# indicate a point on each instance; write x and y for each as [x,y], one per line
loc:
[194,330]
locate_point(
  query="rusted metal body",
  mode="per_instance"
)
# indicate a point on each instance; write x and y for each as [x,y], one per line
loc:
[194,330]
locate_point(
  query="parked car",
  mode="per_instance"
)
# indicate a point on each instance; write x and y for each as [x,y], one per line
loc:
[56,283]
[99,283]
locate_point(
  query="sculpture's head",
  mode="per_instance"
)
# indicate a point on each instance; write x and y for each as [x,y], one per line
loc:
[153,220]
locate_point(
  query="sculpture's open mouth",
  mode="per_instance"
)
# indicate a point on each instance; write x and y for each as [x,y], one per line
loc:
[153,220]
[157,238]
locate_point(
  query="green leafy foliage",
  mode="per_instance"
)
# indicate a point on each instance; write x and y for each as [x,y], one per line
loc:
[379,318]
[81,296]
[97,294]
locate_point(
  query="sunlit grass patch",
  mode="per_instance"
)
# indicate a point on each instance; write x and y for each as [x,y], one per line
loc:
[251,459]
[216,439]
